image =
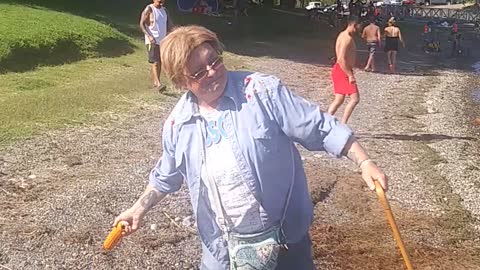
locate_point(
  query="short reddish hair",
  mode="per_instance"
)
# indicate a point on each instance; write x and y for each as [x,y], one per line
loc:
[176,47]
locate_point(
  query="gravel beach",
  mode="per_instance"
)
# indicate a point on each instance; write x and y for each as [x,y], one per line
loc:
[59,192]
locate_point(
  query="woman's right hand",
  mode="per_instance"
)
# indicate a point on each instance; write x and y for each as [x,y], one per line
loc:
[131,220]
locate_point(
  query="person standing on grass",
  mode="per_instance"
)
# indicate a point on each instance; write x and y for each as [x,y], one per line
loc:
[371,34]
[344,83]
[155,24]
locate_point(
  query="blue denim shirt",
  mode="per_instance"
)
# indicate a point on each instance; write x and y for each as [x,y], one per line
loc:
[263,119]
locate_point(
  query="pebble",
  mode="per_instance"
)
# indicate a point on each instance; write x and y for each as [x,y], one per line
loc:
[476,121]
[73,161]
[153,227]
[187,221]
[432,110]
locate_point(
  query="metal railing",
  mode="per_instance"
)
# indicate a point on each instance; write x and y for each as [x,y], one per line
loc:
[431,13]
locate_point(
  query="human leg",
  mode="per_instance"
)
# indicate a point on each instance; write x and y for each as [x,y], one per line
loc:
[372,48]
[372,60]
[389,60]
[352,103]
[369,62]
[337,102]
[156,74]
[394,61]
[154,60]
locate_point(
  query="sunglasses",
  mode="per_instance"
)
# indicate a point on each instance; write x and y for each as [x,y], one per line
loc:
[204,72]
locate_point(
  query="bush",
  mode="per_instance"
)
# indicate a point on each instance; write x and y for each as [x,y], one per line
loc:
[32,36]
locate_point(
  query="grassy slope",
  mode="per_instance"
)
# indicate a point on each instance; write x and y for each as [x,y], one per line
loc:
[52,97]
[32,37]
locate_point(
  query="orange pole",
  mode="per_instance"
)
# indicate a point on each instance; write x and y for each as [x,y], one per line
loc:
[391,220]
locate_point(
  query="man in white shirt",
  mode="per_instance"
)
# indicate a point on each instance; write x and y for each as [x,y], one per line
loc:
[155,24]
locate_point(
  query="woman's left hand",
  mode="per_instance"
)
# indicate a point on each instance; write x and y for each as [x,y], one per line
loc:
[371,173]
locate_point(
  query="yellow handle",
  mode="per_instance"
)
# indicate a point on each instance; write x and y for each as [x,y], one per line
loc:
[391,220]
[113,237]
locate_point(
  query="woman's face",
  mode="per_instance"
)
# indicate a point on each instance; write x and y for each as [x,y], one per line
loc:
[206,74]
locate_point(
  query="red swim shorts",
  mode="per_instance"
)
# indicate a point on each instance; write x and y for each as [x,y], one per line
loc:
[341,85]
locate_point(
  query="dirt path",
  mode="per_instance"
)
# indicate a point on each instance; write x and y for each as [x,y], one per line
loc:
[59,192]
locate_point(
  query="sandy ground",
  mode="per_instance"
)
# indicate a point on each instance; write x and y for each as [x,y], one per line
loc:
[60,191]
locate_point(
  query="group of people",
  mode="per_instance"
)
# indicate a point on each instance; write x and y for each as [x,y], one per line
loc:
[231,139]
[373,38]
[431,39]
[343,78]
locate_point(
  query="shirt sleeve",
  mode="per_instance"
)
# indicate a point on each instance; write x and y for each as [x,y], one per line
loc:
[305,123]
[165,176]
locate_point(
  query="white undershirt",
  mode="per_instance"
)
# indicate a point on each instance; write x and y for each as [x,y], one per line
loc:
[242,210]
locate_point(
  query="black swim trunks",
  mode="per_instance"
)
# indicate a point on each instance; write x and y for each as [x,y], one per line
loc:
[153,53]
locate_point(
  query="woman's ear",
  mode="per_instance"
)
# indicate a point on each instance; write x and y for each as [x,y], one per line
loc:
[180,84]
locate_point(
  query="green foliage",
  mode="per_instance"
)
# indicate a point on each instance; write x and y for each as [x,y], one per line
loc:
[31,36]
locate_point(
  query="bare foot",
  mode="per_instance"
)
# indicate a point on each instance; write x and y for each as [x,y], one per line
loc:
[391,68]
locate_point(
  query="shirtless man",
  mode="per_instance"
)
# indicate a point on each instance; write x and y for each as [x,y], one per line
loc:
[342,73]
[371,34]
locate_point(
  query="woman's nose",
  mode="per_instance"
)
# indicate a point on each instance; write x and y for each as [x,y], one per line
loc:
[211,71]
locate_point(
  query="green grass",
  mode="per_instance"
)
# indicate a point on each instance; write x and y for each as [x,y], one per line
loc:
[55,97]
[52,97]
[32,37]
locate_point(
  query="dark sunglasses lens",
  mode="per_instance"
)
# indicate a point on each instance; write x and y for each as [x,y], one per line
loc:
[201,74]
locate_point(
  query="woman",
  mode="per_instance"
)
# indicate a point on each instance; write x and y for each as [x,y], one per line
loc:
[392,36]
[230,139]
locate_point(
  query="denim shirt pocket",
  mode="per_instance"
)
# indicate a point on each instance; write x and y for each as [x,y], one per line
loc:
[264,138]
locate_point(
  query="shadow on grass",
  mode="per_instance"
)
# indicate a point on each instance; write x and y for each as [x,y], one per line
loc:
[22,59]
[120,14]
[111,47]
